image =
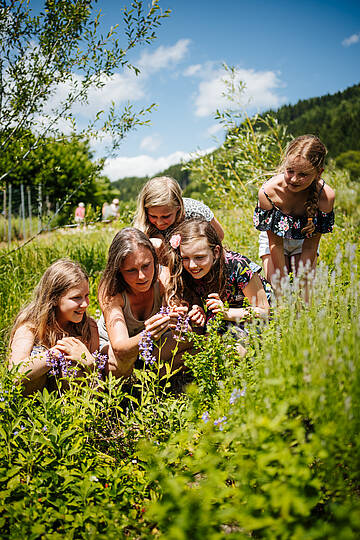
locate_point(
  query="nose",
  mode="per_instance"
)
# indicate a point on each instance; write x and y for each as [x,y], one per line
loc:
[141,274]
[85,303]
[192,263]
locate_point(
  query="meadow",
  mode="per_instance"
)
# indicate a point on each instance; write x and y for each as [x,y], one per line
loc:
[263,447]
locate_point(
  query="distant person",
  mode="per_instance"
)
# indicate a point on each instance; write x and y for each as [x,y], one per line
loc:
[295,208]
[80,213]
[114,209]
[105,211]
[54,326]
[161,207]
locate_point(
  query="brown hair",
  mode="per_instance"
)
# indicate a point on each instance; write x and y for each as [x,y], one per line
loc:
[313,150]
[181,283]
[125,242]
[40,314]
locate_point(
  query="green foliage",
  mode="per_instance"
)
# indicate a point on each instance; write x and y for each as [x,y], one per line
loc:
[334,118]
[350,160]
[265,447]
[59,44]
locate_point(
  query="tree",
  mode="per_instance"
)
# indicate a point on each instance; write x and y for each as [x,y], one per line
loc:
[61,46]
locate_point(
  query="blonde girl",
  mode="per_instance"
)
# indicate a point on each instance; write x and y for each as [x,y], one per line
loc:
[54,322]
[294,209]
[202,272]
[161,207]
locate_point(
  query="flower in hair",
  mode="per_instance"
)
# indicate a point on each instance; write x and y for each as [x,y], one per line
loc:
[175,241]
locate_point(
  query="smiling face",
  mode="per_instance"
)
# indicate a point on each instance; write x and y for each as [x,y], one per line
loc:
[72,305]
[137,270]
[198,258]
[299,174]
[162,217]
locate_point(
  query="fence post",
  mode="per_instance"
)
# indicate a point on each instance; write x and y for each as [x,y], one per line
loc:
[4,212]
[22,198]
[39,208]
[9,214]
[29,208]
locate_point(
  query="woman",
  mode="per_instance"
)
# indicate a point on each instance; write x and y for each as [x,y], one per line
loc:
[130,296]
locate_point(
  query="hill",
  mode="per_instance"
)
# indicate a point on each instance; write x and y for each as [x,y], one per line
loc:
[335,118]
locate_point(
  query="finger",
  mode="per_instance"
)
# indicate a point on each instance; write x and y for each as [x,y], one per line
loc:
[214,295]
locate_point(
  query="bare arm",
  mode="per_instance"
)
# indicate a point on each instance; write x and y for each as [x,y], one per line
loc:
[276,246]
[218,228]
[254,291]
[21,347]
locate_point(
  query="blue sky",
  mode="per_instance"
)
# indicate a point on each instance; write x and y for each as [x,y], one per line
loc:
[284,51]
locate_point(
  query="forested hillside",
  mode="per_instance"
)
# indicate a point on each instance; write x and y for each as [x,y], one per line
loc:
[335,118]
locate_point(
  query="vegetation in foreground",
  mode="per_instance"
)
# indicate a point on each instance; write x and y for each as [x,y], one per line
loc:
[265,447]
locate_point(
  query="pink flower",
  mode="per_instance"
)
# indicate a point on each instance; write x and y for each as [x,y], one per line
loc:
[175,241]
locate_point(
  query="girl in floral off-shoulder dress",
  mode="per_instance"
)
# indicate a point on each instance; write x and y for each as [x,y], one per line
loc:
[294,209]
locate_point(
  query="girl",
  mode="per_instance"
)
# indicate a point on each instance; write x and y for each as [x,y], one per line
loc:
[55,321]
[130,296]
[200,269]
[295,208]
[160,208]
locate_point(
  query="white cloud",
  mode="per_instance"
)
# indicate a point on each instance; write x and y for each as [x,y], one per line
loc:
[259,92]
[151,143]
[214,129]
[351,40]
[145,165]
[162,57]
[192,70]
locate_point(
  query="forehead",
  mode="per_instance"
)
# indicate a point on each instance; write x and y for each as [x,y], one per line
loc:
[137,258]
[81,288]
[195,247]
[163,210]
[299,164]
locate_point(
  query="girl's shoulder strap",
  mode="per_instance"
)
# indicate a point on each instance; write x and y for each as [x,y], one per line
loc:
[267,196]
[321,188]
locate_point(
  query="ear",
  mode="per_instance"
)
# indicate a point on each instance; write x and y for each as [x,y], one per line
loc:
[217,251]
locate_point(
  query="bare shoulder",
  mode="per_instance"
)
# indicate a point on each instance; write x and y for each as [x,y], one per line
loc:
[22,344]
[24,332]
[269,188]
[327,198]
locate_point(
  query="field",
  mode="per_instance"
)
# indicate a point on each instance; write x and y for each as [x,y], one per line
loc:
[265,447]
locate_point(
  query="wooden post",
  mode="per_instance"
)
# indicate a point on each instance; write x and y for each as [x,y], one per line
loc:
[22,199]
[29,209]
[39,208]
[4,212]
[9,214]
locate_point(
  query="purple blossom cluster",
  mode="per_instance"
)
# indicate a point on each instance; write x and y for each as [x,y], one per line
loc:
[205,417]
[182,327]
[59,365]
[100,362]
[236,394]
[146,348]
[220,422]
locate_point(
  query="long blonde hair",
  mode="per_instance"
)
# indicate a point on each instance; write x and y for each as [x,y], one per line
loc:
[158,191]
[313,150]
[40,314]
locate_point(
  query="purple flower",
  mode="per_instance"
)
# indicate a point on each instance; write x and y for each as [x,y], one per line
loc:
[182,327]
[220,422]
[205,417]
[146,348]
[236,394]
[100,361]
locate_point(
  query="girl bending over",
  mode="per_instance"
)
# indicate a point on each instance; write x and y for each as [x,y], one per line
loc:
[130,296]
[161,207]
[201,270]
[295,208]
[55,321]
